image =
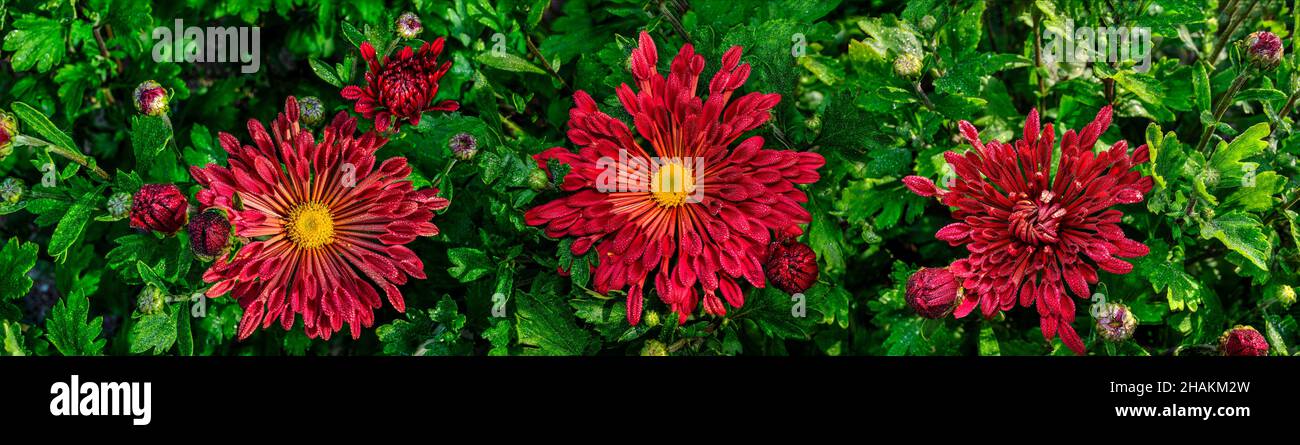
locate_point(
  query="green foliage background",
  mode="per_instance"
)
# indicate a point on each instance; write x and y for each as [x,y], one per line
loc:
[1224,242]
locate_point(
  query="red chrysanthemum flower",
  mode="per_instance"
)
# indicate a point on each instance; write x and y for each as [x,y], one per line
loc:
[399,89]
[701,213]
[1033,234]
[323,220]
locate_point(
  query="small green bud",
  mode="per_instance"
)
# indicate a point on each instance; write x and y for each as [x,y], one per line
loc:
[908,66]
[654,348]
[538,180]
[119,205]
[150,301]
[11,190]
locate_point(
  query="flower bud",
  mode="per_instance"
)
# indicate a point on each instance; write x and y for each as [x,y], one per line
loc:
[1263,49]
[119,205]
[651,318]
[1242,341]
[1116,323]
[538,180]
[463,146]
[209,234]
[791,266]
[151,98]
[932,292]
[8,131]
[408,25]
[159,207]
[908,66]
[150,301]
[11,190]
[311,112]
[654,348]
[1284,294]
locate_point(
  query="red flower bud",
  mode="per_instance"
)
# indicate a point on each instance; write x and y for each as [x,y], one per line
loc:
[408,25]
[791,266]
[209,234]
[1243,341]
[1264,49]
[932,292]
[151,98]
[159,207]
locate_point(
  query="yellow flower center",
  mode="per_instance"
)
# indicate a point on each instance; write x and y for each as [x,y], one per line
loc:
[310,225]
[672,184]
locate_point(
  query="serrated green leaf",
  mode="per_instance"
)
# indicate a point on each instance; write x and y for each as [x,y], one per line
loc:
[36,42]
[469,264]
[1242,233]
[68,329]
[16,259]
[156,332]
[545,326]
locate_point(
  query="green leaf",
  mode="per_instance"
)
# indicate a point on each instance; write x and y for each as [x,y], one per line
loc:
[184,333]
[149,136]
[36,42]
[39,123]
[325,72]
[469,264]
[988,341]
[1226,163]
[1243,233]
[68,329]
[1257,197]
[155,332]
[16,259]
[1261,94]
[508,62]
[72,224]
[1201,88]
[545,326]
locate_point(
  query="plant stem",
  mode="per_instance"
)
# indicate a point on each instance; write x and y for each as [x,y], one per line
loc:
[83,160]
[1222,107]
[1234,21]
[1038,59]
[446,171]
[532,49]
[1286,109]
[71,155]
